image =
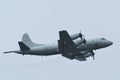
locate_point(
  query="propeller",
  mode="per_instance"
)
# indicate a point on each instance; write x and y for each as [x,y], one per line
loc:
[93,55]
[84,40]
[82,37]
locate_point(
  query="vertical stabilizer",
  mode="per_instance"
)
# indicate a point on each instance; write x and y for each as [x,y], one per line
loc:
[27,41]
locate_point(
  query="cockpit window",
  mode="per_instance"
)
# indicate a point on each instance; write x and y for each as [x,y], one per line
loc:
[103,39]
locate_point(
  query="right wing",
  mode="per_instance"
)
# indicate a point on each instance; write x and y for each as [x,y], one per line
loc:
[67,46]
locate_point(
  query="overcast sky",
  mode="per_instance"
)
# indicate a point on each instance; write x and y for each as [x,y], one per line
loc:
[42,19]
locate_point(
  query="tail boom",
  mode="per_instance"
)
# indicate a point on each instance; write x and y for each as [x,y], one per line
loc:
[11,52]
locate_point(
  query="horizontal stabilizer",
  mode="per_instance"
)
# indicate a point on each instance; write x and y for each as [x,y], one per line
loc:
[23,46]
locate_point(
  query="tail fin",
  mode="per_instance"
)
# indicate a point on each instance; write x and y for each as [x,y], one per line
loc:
[27,41]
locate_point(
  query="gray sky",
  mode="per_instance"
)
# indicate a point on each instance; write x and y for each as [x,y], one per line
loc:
[42,19]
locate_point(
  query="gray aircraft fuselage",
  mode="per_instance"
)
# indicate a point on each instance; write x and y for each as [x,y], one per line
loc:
[52,49]
[27,47]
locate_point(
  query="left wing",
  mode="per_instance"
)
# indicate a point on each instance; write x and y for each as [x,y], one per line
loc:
[79,58]
[67,46]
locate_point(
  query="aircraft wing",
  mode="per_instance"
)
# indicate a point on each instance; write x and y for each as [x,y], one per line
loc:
[79,58]
[67,47]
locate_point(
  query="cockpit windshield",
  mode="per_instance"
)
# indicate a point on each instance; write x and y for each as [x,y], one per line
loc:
[103,39]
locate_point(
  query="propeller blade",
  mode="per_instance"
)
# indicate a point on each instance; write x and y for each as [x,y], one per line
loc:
[84,40]
[93,55]
[80,35]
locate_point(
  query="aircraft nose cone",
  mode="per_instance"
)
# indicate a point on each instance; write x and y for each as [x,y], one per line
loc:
[110,43]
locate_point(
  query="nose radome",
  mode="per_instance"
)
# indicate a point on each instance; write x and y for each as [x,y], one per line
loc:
[110,43]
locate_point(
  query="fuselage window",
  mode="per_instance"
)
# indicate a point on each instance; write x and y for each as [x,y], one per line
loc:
[103,39]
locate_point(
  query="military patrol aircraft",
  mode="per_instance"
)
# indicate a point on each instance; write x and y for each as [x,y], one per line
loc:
[71,47]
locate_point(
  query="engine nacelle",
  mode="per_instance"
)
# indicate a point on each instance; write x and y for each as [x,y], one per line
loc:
[75,36]
[88,54]
[78,41]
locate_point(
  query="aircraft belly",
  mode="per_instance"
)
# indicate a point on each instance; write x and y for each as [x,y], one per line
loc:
[45,51]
